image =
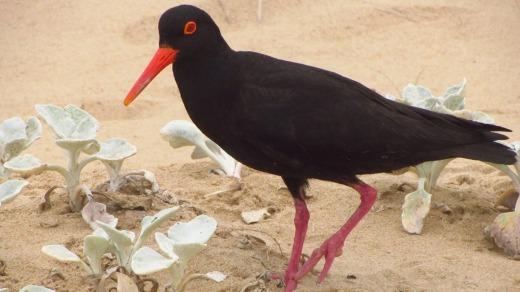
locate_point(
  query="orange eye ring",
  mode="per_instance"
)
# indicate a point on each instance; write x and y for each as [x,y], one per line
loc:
[190,27]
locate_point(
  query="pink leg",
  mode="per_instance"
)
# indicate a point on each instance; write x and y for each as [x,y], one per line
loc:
[301,220]
[333,246]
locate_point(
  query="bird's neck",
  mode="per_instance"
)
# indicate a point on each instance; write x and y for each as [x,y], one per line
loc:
[205,84]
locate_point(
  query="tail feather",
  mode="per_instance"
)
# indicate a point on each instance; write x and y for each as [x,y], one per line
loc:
[490,152]
[479,144]
[487,151]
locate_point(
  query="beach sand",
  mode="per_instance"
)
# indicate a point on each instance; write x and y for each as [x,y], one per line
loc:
[89,53]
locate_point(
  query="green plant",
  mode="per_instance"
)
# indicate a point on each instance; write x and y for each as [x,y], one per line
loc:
[180,133]
[184,240]
[417,204]
[75,131]
[108,239]
[16,136]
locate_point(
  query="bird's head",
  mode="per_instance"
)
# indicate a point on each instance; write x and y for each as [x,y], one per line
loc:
[185,32]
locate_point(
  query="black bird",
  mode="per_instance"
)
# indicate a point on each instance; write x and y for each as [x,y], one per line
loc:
[302,122]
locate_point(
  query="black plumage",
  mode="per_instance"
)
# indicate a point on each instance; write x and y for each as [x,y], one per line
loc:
[302,122]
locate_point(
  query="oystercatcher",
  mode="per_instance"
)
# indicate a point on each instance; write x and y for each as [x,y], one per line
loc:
[302,122]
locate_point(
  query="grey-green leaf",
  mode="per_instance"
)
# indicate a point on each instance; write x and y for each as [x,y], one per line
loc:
[10,189]
[26,165]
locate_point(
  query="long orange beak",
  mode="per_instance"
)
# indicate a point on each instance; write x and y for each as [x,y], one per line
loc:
[162,58]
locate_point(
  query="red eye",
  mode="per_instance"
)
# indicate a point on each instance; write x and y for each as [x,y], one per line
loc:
[190,27]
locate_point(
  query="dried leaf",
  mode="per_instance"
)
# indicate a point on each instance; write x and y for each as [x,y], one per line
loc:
[256,215]
[216,276]
[125,283]
[94,211]
[507,199]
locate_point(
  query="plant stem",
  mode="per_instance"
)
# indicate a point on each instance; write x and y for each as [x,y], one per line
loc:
[83,163]
[191,277]
[69,179]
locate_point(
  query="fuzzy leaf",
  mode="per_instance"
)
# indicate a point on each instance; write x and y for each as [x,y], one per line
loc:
[70,122]
[456,89]
[122,240]
[415,208]
[115,149]
[91,148]
[12,130]
[93,248]
[102,233]
[198,230]
[33,130]
[166,245]
[453,99]
[183,133]
[481,117]
[119,237]
[199,153]
[33,288]
[10,189]
[226,162]
[14,148]
[454,102]
[86,125]
[419,96]
[16,136]
[26,165]
[149,223]
[74,144]
[430,171]
[60,253]
[150,177]
[146,261]
[185,251]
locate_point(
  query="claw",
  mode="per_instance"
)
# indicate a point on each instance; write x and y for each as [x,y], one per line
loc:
[330,249]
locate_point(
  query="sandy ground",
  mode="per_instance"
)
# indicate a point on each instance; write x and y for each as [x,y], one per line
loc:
[89,53]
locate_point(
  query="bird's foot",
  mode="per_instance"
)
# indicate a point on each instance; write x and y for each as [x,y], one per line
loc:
[290,285]
[330,249]
[289,280]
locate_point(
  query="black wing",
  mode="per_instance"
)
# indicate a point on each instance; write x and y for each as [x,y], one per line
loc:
[312,118]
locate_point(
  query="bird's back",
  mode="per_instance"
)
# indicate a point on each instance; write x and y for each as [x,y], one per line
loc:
[312,121]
